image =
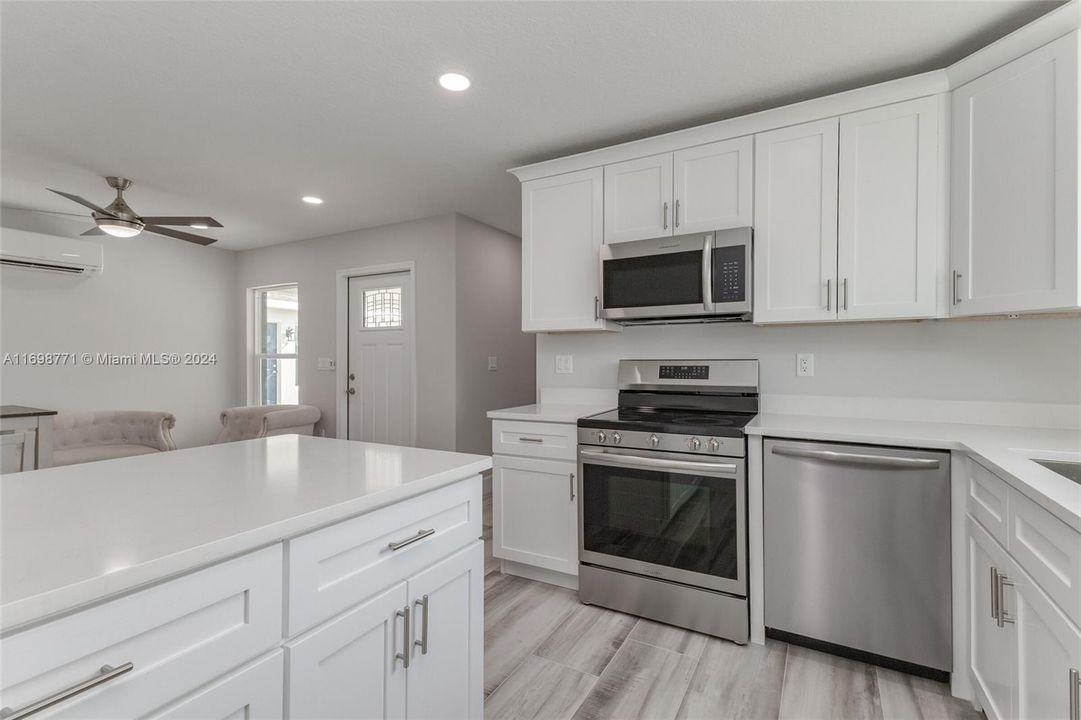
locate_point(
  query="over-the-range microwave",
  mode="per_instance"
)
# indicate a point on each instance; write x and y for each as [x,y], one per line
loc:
[699,277]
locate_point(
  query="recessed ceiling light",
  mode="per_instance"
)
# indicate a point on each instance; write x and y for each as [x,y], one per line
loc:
[198,226]
[455,82]
[312,200]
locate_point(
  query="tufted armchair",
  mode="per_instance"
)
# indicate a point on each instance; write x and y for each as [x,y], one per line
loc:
[102,435]
[256,421]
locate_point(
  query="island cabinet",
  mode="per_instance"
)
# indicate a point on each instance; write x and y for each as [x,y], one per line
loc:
[379,615]
[1024,604]
[562,232]
[1014,232]
[848,215]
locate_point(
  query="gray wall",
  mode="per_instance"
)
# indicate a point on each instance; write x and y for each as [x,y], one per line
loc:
[313,264]
[154,295]
[489,320]
[1008,360]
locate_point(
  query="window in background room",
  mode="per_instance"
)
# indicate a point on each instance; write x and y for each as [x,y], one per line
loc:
[273,374]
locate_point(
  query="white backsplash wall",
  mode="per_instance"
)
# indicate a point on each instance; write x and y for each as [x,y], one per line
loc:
[997,360]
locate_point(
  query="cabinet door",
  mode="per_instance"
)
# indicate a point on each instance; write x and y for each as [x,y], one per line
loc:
[1048,647]
[562,232]
[888,212]
[713,186]
[638,199]
[991,648]
[1014,183]
[795,212]
[535,509]
[446,671]
[347,668]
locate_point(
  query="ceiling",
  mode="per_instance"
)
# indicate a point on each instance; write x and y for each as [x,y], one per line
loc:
[236,109]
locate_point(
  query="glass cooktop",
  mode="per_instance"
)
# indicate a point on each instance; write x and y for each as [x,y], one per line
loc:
[670,421]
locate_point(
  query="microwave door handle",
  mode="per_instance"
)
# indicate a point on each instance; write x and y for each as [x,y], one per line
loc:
[707,274]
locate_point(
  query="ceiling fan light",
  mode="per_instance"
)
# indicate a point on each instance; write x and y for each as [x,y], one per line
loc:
[120,228]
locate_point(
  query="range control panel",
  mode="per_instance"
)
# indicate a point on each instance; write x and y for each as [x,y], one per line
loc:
[684,372]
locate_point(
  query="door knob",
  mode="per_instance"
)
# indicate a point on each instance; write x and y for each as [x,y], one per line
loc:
[352,391]
[352,376]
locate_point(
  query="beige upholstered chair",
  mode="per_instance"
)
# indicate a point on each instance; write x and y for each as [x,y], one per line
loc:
[256,421]
[102,435]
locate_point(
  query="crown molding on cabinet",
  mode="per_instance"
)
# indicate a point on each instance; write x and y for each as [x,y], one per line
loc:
[1041,31]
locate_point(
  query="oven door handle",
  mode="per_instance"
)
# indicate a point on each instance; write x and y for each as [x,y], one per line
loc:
[707,274]
[657,463]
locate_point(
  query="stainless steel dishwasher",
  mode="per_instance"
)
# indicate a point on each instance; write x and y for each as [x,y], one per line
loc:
[857,552]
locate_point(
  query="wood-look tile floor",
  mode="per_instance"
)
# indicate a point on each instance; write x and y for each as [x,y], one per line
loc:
[547,656]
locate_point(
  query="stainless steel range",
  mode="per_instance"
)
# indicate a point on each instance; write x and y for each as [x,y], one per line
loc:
[662,519]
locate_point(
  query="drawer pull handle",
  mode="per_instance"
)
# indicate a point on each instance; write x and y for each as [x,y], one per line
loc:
[423,642]
[421,534]
[405,653]
[107,673]
[1003,616]
[1075,694]
[523,438]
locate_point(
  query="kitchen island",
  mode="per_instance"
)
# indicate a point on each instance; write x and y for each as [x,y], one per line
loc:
[196,576]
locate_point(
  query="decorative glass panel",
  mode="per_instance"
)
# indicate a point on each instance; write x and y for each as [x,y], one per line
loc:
[383,308]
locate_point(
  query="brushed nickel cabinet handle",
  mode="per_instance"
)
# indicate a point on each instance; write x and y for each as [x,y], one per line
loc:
[105,674]
[404,655]
[1075,694]
[572,486]
[423,642]
[421,534]
[1003,616]
[596,308]
[675,214]
[524,438]
[844,286]
[956,296]
[666,216]
[994,594]
[829,294]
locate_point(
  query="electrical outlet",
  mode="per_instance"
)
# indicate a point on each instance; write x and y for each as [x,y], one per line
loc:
[805,364]
[564,364]
[493,363]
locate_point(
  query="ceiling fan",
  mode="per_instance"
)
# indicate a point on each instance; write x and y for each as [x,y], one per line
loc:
[120,220]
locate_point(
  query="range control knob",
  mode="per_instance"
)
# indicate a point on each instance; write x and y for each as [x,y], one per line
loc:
[616,437]
[714,445]
[654,440]
[695,443]
[602,437]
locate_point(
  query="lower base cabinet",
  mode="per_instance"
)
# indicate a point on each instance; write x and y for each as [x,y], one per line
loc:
[254,693]
[1025,652]
[535,512]
[413,651]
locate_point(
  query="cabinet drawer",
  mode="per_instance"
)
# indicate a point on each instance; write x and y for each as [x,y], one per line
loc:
[1048,550]
[335,568]
[253,692]
[986,495]
[177,635]
[533,439]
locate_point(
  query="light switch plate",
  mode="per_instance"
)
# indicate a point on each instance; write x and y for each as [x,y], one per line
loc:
[805,364]
[564,364]
[326,363]
[493,363]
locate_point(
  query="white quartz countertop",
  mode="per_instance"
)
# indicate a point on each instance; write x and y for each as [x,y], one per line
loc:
[549,412]
[1007,450]
[73,535]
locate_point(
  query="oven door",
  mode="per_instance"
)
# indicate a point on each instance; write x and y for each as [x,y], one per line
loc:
[674,516]
[662,277]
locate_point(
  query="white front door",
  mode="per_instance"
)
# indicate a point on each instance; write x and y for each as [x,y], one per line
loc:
[380,370]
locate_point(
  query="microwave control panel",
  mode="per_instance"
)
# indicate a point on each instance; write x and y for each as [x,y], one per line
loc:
[729,273]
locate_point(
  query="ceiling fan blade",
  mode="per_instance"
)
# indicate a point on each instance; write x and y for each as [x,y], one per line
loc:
[179,235]
[82,201]
[180,220]
[93,231]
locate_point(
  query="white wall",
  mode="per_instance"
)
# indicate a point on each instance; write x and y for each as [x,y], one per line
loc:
[312,264]
[1006,360]
[155,294]
[489,322]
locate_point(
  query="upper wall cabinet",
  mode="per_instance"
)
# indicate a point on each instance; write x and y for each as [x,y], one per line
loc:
[708,187]
[891,185]
[795,211]
[562,232]
[847,216]
[1014,185]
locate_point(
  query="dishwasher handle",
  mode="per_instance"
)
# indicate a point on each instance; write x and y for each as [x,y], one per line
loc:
[857,458]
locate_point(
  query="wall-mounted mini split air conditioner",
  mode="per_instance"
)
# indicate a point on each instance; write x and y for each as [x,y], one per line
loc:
[49,253]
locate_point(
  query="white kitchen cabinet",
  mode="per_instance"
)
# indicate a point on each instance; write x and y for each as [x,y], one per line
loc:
[535,512]
[562,232]
[991,649]
[713,186]
[446,672]
[795,213]
[1014,185]
[253,693]
[638,199]
[1048,648]
[888,212]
